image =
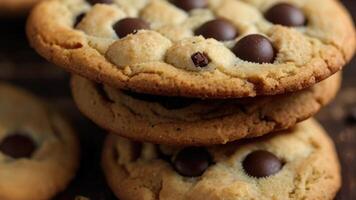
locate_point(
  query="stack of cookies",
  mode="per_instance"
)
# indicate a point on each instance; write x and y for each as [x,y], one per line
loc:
[202,97]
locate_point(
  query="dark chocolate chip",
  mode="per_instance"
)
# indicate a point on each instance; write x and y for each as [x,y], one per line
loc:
[17,146]
[78,19]
[128,26]
[219,29]
[286,15]
[255,48]
[200,59]
[170,103]
[351,116]
[190,4]
[261,164]
[192,161]
[93,2]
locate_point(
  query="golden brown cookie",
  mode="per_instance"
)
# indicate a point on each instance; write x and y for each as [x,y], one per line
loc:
[174,120]
[211,49]
[297,164]
[39,152]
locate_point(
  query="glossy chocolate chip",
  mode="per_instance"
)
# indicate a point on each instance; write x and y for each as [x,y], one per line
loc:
[200,59]
[78,19]
[190,4]
[286,15]
[93,2]
[219,29]
[255,48]
[128,26]
[170,103]
[192,161]
[17,146]
[261,164]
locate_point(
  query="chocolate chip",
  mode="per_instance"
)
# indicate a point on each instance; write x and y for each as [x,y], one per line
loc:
[190,4]
[200,59]
[351,116]
[93,2]
[255,48]
[128,26]
[192,161]
[78,19]
[17,146]
[286,15]
[170,103]
[261,164]
[219,29]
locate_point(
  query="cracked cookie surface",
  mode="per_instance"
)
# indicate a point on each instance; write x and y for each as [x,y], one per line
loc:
[39,152]
[203,50]
[297,164]
[186,121]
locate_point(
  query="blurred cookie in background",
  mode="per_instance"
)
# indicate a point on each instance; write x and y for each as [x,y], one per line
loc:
[39,151]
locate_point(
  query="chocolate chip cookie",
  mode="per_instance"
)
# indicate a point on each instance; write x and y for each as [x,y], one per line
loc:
[11,8]
[297,164]
[38,149]
[196,48]
[188,121]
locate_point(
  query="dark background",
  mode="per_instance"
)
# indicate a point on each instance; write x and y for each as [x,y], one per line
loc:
[20,65]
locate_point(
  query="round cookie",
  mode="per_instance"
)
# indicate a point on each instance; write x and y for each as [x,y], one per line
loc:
[39,152]
[292,165]
[200,48]
[177,120]
[11,8]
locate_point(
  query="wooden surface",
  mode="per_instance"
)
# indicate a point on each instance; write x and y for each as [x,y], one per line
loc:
[20,65]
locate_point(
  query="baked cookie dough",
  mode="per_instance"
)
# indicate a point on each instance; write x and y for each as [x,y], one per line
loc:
[297,164]
[39,152]
[177,120]
[196,48]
